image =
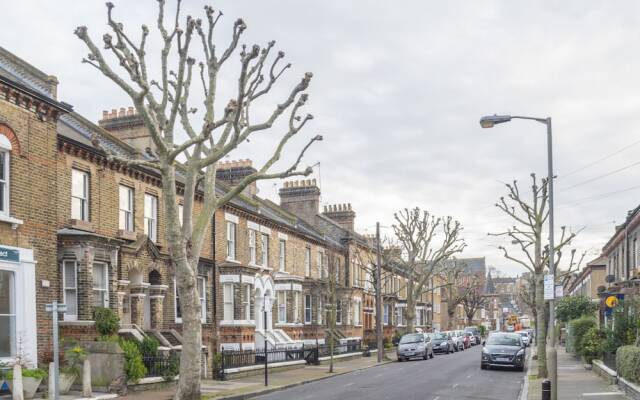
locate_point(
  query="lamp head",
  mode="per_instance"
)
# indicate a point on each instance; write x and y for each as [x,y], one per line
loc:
[490,120]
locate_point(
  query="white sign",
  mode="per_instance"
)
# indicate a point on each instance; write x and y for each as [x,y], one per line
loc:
[549,284]
[559,292]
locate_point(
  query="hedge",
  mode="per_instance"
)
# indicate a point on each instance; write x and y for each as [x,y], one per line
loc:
[592,344]
[577,330]
[628,363]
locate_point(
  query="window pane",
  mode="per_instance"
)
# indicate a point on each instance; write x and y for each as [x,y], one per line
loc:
[99,281]
[2,165]
[6,293]
[69,274]
[71,302]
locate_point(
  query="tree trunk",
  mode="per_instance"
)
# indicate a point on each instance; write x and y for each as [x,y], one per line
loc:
[541,326]
[190,356]
[410,312]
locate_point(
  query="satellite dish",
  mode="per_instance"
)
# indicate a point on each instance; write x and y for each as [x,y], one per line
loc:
[610,278]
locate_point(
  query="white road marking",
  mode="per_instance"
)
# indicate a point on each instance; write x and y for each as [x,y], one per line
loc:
[602,394]
[348,384]
[436,398]
[454,386]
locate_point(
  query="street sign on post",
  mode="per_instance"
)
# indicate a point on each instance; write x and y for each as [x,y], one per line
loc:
[54,308]
[549,286]
[559,291]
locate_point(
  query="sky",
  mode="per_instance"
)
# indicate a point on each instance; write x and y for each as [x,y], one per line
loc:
[397,92]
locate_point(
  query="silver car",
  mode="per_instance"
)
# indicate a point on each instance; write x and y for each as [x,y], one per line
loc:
[415,345]
[458,339]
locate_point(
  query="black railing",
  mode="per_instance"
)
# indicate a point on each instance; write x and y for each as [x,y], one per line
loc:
[609,359]
[161,365]
[310,354]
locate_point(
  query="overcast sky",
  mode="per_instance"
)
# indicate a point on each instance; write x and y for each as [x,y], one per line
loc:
[398,89]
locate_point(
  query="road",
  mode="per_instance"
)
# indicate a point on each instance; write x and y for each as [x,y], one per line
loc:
[446,377]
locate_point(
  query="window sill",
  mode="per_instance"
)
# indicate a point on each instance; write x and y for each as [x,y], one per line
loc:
[15,222]
[231,260]
[81,225]
[125,234]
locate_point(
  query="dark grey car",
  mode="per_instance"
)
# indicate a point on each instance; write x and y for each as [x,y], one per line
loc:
[503,350]
[442,343]
[415,345]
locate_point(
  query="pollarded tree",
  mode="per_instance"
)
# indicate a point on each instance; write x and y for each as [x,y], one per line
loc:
[425,243]
[529,219]
[166,107]
[473,299]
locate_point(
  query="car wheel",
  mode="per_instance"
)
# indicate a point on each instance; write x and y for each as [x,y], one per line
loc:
[520,369]
[483,366]
[400,359]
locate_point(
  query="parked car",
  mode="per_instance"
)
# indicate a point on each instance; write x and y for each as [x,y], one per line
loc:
[415,345]
[465,339]
[525,337]
[476,333]
[442,343]
[471,338]
[458,341]
[503,350]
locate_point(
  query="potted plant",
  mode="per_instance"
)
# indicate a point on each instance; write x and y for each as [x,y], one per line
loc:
[73,359]
[31,379]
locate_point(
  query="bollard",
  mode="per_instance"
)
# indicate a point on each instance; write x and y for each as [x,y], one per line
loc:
[546,389]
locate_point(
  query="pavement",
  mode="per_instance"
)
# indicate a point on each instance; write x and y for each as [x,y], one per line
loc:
[574,381]
[454,376]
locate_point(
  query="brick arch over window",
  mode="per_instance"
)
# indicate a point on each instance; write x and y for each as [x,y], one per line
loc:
[10,134]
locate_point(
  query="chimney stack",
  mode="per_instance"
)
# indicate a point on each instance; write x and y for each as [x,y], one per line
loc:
[342,214]
[232,172]
[128,126]
[301,198]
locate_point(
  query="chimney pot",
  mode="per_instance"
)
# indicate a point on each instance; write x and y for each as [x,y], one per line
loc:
[122,112]
[130,111]
[105,114]
[114,113]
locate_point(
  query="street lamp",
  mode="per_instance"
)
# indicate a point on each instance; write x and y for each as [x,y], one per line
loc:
[489,122]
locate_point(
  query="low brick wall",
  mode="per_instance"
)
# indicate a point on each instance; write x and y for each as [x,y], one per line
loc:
[605,372]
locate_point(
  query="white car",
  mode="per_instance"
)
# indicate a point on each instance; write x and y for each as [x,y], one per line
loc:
[458,340]
[525,337]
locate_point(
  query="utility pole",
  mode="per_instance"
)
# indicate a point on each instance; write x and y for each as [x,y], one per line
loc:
[552,354]
[379,319]
[54,308]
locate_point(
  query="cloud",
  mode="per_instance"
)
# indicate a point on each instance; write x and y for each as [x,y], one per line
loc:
[399,87]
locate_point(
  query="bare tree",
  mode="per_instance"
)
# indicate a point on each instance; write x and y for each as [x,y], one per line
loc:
[450,274]
[164,102]
[529,218]
[473,299]
[422,254]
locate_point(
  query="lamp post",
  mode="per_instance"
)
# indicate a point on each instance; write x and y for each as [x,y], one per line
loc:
[266,353]
[552,356]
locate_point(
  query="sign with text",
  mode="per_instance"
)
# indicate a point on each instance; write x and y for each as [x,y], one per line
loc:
[9,255]
[559,291]
[549,286]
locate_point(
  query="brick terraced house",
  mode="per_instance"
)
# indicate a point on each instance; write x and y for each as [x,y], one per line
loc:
[77,228]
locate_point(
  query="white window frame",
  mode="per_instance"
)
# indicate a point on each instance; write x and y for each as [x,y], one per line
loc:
[252,247]
[385,320]
[176,301]
[126,211]
[339,310]
[65,287]
[356,313]
[296,307]
[105,289]
[202,280]
[247,302]
[320,310]
[307,261]
[13,346]
[181,214]
[308,308]
[5,198]
[227,299]
[282,306]
[151,217]
[83,213]
[231,240]
[264,241]
[282,255]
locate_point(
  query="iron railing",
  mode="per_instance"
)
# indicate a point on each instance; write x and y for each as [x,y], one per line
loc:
[310,354]
[161,365]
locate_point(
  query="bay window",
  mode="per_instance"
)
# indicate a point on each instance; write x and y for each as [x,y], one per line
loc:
[307,308]
[228,301]
[79,195]
[70,289]
[282,306]
[296,307]
[100,284]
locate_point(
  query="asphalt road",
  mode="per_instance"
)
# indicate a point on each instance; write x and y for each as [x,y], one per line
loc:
[455,376]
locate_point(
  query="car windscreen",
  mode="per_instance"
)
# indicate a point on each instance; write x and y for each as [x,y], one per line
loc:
[415,338]
[523,334]
[440,336]
[503,340]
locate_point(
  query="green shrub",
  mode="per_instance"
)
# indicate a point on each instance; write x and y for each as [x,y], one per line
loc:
[73,359]
[623,333]
[35,373]
[133,365]
[577,329]
[172,368]
[106,321]
[483,330]
[573,307]
[628,363]
[149,346]
[592,344]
